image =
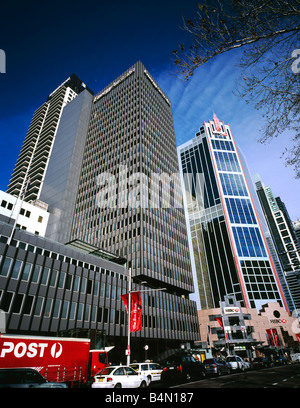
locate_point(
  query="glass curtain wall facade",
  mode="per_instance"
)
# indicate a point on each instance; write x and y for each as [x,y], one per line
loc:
[230,252]
[284,238]
[130,141]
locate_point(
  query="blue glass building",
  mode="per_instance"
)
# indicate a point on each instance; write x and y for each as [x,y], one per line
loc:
[230,255]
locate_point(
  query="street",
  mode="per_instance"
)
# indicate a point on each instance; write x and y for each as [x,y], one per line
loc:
[275,377]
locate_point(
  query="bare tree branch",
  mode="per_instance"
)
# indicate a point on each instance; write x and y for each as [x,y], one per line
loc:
[264,33]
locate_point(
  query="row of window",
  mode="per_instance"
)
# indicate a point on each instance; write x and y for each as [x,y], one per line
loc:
[233,184]
[54,278]
[227,161]
[222,145]
[58,279]
[249,242]
[240,211]
[64,309]
[55,256]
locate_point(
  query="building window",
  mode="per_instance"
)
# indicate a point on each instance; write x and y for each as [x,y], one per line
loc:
[65,309]
[38,306]
[28,304]
[53,278]
[45,276]
[69,282]
[48,307]
[6,301]
[56,308]
[73,311]
[26,271]
[61,281]
[80,311]
[16,269]
[17,303]
[5,267]
[36,273]
[87,312]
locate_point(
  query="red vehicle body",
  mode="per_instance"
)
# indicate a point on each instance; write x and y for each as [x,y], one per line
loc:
[58,359]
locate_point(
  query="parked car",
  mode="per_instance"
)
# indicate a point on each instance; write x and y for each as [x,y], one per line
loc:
[119,377]
[236,363]
[261,362]
[216,366]
[181,367]
[279,360]
[25,378]
[295,357]
[151,370]
[247,365]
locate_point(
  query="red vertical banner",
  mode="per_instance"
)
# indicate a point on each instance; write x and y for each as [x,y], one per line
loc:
[269,333]
[220,321]
[275,336]
[125,300]
[136,310]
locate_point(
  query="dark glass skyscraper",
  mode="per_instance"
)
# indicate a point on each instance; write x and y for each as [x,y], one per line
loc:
[131,141]
[284,238]
[113,182]
[230,253]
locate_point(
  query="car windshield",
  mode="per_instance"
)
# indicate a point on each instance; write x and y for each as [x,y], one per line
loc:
[134,366]
[106,371]
[154,366]
[230,359]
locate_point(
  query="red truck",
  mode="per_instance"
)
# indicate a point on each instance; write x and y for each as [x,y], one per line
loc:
[58,359]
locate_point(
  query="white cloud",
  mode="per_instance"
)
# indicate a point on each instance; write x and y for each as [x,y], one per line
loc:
[211,90]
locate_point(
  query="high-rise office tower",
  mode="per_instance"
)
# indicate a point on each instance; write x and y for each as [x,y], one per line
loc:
[36,150]
[113,182]
[296,226]
[283,235]
[231,256]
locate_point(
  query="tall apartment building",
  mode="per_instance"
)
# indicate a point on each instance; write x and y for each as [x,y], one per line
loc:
[231,256]
[284,237]
[296,226]
[36,150]
[112,161]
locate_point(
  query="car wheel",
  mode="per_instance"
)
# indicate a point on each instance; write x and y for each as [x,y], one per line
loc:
[218,372]
[143,384]
[118,385]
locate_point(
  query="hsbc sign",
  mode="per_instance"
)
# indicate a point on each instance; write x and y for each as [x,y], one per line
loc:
[230,310]
[30,350]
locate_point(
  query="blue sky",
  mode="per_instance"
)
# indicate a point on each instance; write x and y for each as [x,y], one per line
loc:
[46,41]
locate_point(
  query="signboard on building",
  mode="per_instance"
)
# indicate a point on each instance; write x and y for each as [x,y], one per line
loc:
[230,310]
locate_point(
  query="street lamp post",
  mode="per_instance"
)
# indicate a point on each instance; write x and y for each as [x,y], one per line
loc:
[128,351]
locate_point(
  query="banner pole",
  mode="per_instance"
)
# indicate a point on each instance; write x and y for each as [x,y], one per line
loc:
[129,318]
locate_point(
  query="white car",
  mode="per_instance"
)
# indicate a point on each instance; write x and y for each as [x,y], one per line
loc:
[119,377]
[236,363]
[151,370]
